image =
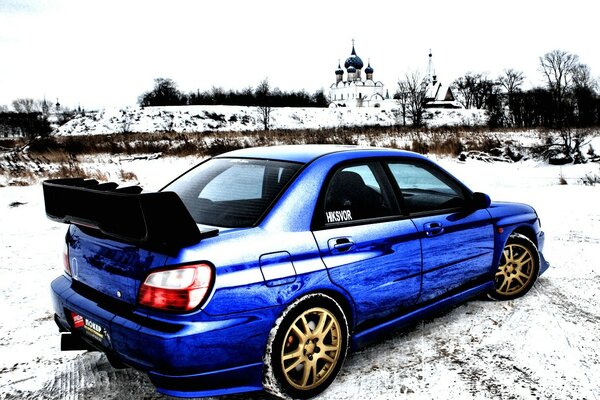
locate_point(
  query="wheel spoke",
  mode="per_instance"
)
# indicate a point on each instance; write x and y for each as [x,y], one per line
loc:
[295,354]
[505,282]
[326,347]
[506,255]
[313,368]
[518,278]
[294,365]
[520,259]
[305,326]
[299,334]
[524,275]
[326,330]
[306,374]
[320,324]
[326,357]
[522,262]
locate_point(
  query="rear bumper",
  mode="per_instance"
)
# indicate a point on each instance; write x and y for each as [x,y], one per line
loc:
[247,378]
[194,355]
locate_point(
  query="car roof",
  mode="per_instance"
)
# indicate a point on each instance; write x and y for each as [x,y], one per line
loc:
[309,152]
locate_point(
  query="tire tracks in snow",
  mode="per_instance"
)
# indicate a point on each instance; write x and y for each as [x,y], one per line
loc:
[560,304]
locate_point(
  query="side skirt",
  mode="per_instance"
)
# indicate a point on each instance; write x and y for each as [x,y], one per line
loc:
[372,334]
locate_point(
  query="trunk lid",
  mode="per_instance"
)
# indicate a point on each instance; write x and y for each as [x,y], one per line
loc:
[113,268]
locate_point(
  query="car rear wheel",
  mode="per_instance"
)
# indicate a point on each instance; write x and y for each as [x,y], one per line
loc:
[518,268]
[306,348]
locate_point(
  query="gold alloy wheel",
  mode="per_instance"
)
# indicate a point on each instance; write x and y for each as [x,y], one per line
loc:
[311,348]
[516,270]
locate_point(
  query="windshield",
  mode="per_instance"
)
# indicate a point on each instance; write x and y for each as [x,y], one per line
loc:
[232,192]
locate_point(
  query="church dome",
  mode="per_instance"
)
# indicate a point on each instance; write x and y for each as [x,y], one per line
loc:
[351,69]
[339,70]
[369,69]
[354,60]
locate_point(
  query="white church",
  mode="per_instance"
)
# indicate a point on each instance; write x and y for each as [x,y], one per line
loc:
[354,91]
[436,94]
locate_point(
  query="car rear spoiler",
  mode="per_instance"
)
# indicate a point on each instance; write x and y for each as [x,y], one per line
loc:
[158,221]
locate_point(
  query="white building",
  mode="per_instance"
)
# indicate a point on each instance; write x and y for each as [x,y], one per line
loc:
[354,91]
[436,94]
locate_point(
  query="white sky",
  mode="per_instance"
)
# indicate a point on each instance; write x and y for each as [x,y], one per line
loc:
[98,53]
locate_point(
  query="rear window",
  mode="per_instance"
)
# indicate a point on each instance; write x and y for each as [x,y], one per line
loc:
[232,192]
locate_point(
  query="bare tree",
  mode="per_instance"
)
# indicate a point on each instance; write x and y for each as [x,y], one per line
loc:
[402,97]
[3,108]
[413,89]
[25,105]
[464,86]
[558,67]
[584,96]
[483,90]
[582,77]
[474,89]
[511,81]
[263,99]
[570,83]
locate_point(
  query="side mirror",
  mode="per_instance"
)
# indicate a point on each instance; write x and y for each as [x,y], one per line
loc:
[481,201]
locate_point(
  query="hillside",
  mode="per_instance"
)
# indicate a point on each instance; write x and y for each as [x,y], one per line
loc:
[187,119]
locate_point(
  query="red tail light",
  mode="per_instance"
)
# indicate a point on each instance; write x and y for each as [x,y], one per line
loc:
[178,289]
[65,257]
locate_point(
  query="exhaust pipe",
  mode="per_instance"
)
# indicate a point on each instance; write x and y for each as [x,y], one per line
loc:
[70,342]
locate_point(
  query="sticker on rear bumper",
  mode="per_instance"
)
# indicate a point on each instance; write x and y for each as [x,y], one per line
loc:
[78,321]
[93,329]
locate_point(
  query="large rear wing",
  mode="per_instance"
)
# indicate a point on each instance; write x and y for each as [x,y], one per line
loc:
[157,220]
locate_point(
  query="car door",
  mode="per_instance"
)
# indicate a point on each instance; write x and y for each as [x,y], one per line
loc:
[369,249]
[457,240]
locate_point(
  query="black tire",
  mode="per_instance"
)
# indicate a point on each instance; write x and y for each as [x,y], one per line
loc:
[518,268]
[306,348]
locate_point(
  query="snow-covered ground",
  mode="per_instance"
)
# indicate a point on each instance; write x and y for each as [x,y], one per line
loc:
[237,118]
[545,345]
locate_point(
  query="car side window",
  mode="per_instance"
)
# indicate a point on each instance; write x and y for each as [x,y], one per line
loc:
[426,189]
[357,192]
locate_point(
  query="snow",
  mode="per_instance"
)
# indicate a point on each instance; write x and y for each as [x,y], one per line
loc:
[543,346]
[238,118]
[454,117]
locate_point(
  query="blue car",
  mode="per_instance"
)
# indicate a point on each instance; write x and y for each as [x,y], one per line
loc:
[261,268]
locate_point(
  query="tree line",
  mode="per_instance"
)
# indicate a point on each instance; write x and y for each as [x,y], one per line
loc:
[569,97]
[166,93]
[30,118]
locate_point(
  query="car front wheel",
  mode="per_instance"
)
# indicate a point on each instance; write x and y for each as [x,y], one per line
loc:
[518,268]
[306,348]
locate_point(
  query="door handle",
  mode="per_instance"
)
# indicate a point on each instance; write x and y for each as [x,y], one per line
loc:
[340,245]
[433,228]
